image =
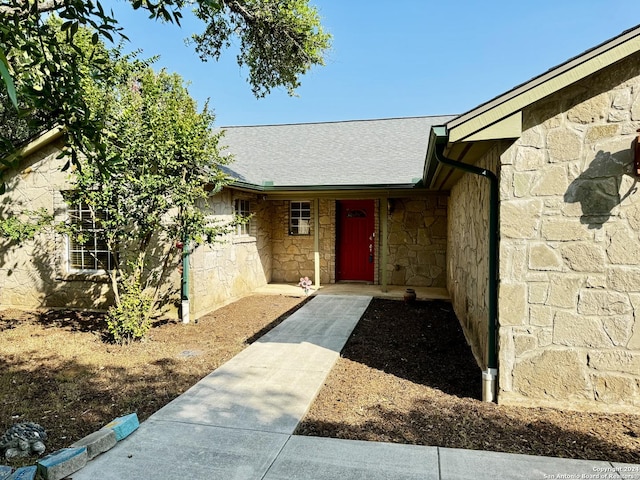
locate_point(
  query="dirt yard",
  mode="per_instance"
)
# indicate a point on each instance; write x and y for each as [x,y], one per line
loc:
[406,376]
[56,368]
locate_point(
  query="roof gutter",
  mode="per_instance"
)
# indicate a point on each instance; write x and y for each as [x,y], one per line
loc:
[266,187]
[439,139]
[33,146]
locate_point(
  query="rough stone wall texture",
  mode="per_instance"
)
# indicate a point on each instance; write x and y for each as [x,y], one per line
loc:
[293,255]
[235,265]
[569,297]
[417,241]
[327,241]
[468,254]
[34,274]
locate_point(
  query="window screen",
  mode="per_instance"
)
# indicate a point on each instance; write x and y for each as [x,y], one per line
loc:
[87,248]
[300,218]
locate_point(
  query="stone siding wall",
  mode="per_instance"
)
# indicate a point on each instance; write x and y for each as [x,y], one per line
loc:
[468,254]
[327,241]
[417,241]
[237,264]
[293,255]
[569,297]
[33,274]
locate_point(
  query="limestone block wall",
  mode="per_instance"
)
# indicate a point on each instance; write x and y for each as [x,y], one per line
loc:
[33,274]
[236,264]
[417,241]
[569,297]
[327,236]
[468,254]
[293,255]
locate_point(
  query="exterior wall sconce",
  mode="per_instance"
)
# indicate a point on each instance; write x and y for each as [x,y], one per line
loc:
[636,154]
[391,205]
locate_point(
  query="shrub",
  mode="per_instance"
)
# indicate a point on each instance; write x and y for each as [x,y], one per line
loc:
[130,320]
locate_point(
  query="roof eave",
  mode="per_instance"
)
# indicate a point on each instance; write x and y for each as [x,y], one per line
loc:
[327,190]
[432,167]
[32,146]
[472,125]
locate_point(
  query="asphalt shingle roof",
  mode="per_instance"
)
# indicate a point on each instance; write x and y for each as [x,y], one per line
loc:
[363,152]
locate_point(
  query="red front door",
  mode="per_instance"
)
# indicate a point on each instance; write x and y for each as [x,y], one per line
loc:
[356,240]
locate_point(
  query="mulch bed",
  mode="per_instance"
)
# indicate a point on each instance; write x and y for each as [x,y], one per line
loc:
[407,376]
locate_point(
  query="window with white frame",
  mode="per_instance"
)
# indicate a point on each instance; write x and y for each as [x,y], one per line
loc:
[300,218]
[243,209]
[87,247]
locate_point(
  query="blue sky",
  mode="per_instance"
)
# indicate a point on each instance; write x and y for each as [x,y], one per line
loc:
[395,58]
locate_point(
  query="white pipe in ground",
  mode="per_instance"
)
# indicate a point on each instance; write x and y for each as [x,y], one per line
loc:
[489,383]
[185,311]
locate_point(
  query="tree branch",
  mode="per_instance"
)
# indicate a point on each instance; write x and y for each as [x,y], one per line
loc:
[236,7]
[23,7]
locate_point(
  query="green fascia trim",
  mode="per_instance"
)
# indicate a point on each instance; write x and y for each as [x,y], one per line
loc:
[598,58]
[509,127]
[437,136]
[323,188]
[31,147]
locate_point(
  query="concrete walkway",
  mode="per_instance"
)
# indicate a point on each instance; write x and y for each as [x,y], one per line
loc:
[237,423]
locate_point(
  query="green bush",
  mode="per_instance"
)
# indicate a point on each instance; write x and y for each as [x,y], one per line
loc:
[130,320]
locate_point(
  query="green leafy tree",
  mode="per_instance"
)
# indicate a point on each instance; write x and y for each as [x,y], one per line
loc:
[40,61]
[167,166]
[18,229]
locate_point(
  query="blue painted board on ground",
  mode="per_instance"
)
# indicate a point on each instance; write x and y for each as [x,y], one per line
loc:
[62,463]
[5,471]
[24,473]
[61,456]
[124,426]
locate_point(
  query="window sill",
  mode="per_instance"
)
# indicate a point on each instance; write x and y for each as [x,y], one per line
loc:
[243,239]
[96,276]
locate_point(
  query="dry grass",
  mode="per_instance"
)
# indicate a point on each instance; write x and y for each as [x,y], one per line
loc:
[57,369]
